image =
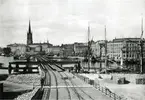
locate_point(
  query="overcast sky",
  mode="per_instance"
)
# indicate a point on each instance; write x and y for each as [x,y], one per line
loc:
[66,21]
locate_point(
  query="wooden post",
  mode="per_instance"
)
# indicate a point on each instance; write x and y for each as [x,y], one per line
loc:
[114,96]
[99,87]
[9,68]
[110,93]
[17,67]
[102,89]
[119,98]
[1,90]
[105,90]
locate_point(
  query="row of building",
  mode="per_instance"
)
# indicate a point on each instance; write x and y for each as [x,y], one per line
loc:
[126,48]
[76,49]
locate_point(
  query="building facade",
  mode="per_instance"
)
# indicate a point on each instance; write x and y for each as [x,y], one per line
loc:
[80,49]
[128,48]
[39,47]
[54,50]
[98,49]
[17,49]
[67,50]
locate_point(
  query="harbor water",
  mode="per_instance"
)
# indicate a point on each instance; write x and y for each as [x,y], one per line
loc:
[93,66]
[5,61]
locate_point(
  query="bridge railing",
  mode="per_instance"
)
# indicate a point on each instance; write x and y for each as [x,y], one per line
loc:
[102,89]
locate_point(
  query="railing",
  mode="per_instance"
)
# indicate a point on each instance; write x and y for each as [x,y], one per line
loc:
[102,89]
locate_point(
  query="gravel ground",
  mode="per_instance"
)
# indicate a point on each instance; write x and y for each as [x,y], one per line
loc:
[28,79]
[25,79]
[130,91]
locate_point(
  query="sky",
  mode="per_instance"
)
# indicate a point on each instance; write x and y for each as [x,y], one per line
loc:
[66,21]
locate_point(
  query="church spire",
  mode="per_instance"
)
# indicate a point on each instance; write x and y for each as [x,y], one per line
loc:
[29,30]
[29,35]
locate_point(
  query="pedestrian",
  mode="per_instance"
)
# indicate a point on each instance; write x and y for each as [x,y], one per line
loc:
[111,77]
[75,68]
[42,82]
[79,67]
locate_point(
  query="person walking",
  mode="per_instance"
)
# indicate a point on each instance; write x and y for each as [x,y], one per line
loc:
[42,82]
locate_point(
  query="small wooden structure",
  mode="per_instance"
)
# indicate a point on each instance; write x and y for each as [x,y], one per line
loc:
[121,80]
[140,81]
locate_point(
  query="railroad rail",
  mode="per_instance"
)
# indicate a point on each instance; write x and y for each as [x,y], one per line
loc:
[59,84]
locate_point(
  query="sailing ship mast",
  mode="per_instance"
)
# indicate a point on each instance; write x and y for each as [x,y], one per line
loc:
[106,63]
[141,47]
[89,60]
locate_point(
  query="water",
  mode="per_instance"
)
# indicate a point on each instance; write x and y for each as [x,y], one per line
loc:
[133,67]
[96,66]
[5,61]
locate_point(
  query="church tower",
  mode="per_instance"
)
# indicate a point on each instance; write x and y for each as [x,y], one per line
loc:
[29,35]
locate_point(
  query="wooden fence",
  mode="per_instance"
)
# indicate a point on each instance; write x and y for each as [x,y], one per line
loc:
[102,89]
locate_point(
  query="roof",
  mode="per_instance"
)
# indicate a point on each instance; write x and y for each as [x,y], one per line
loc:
[125,39]
[16,44]
[41,44]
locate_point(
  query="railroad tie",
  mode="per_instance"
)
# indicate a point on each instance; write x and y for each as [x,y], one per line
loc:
[66,86]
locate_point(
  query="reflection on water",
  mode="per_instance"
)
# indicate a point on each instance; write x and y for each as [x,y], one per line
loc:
[6,60]
[132,67]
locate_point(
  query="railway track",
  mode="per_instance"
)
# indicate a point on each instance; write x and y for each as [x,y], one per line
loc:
[73,84]
[50,69]
[47,82]
[57,83]
[73,88]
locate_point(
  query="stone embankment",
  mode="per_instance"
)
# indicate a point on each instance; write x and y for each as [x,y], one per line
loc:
[27,96]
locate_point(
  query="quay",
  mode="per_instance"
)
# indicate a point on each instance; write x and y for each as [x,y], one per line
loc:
[56,83]
[44,62]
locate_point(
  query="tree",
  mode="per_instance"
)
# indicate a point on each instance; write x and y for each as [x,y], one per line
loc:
[7,51]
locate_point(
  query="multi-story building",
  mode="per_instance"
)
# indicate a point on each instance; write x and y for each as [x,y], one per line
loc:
[55,50]
[114,49]
[80,48]
[98,49]
[17,49]
[128,48]
[67,50]
[39,47]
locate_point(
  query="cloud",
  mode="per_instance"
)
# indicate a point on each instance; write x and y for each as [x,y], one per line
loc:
[66,21]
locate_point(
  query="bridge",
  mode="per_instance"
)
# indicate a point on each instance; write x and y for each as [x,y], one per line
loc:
[28,65]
